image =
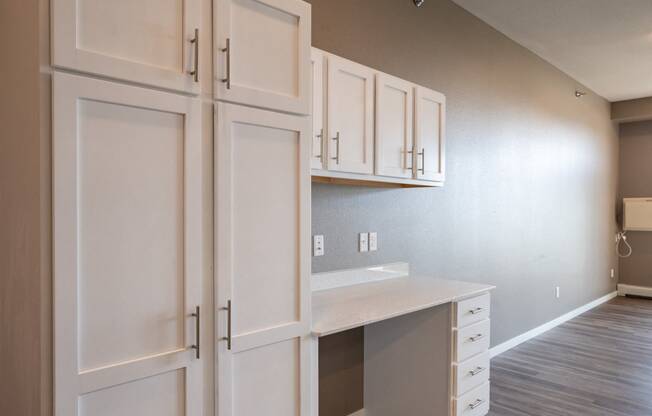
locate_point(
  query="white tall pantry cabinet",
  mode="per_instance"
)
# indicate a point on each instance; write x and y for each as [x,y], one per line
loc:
[262,205]
[132,162]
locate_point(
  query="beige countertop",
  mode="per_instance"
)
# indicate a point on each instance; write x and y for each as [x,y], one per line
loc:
[347,307]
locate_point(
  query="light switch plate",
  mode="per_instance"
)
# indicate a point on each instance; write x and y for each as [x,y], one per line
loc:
[318,245]
[373,241]
[363,242]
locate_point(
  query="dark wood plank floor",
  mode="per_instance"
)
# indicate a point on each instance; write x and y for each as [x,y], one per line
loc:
[598,364]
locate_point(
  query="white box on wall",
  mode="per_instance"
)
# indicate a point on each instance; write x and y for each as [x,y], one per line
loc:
[637,214]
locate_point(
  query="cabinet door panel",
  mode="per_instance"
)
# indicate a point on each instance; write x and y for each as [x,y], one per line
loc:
[350,116]
[263,50]
[127,209]
[318,87]
[430,121]
[263,261]
[394,121]
[146,41]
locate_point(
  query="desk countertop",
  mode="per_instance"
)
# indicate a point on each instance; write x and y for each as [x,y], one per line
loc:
[347,307]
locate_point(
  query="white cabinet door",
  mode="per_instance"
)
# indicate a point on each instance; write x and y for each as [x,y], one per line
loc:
[262,55]
[127,246]
[146,41]
[262,243]
[318,107]
[350,116]
[394,121]
[429,124]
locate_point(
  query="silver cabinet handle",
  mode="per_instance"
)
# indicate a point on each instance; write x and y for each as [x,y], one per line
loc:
[476,338]
[476,310]
[227,50]
[337,149]
[227,338]
[195,41]
[320,136]
[476,403]
[422,153]
[411,159]
[477,371]
[197,328]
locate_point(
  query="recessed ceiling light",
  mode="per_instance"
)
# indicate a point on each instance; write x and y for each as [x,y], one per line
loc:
[419,3]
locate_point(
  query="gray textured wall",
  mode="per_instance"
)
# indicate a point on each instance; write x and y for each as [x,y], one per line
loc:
[636,181]
[529,201]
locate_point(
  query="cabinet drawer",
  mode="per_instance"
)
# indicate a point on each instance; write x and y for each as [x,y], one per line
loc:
[472,310]
[473,403]
[470,374]
[472,340]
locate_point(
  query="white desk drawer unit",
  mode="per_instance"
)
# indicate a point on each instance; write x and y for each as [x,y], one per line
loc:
[473,403]
[470,352]
[470,311]
[471,373]
[471,340]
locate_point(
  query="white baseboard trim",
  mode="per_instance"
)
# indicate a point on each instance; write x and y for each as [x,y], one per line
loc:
[624,290]
[508,345]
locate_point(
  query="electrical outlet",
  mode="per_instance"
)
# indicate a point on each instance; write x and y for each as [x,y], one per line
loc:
[613,273]
[363,242]
[318,245]
[373,241]
[557,292]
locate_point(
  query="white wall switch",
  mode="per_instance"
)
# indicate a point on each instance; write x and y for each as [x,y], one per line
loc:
[317,245]
[363,242]
[557,292]
[373,241]
[613,273]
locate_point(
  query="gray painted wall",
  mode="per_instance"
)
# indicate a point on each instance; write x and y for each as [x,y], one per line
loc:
[531,170]
[636,181]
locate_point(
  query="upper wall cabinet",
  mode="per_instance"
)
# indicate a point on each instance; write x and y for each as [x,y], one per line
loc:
[429,122]
[151,42]
[394,140]
[401,143]
[350,116]
[262,55]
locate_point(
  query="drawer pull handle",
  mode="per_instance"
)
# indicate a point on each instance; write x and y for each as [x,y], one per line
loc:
[476,403]
[477,371]
[320,136]
[195,346]
[228,338]
[337,151]
[476,338]
[227,50]
[195,41]
[476,310]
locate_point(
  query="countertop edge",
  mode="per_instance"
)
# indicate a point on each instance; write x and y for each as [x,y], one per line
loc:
[330,331]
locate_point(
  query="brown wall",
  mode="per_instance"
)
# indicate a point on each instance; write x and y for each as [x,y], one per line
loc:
[531,170]
[636,181]
[24,213]
[632,110]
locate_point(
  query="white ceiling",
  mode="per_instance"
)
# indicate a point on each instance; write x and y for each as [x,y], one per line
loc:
[604,44]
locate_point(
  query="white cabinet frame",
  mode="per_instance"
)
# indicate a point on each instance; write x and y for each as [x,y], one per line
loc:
[226,50]
[227,115]
[428,167]
[319,131]
[384,142]
[66,52]
[338,130]
[69,382]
